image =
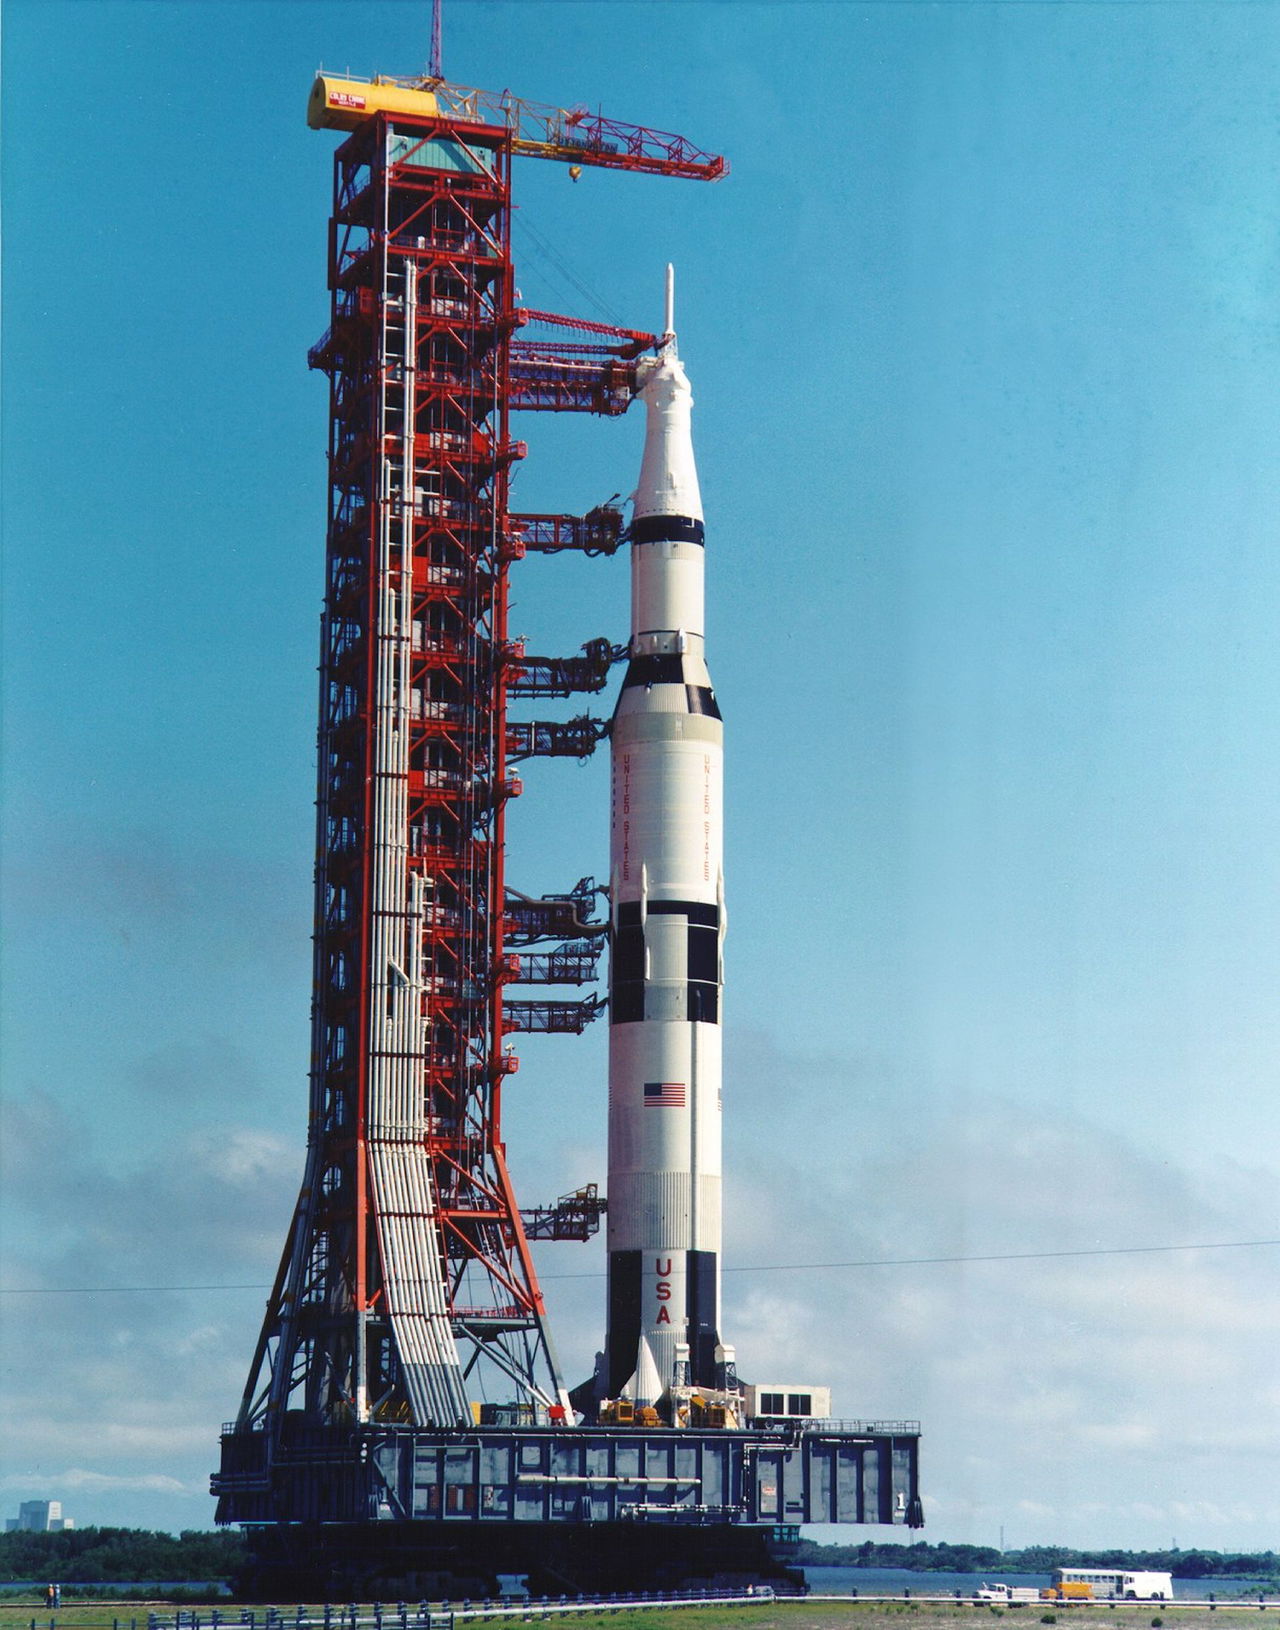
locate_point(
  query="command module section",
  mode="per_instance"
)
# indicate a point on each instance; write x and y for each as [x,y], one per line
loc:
[466,1506]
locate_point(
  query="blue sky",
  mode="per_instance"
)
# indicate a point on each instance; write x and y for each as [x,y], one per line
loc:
[982,330]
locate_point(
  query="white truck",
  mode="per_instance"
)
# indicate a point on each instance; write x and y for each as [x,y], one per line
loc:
[1154,1587]
[1000,1592]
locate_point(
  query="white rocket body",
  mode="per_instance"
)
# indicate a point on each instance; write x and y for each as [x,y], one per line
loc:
[667,887]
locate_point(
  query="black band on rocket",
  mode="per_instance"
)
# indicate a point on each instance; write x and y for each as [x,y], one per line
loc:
[625,1318]
[667,668]
[667,529]
[697,911]
[704,1318]
[627,1003]
[661,668]
[702,961]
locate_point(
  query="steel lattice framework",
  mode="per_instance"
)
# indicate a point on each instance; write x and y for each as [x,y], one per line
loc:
[407,1264]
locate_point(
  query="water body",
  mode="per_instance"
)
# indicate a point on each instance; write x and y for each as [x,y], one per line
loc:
[823,1581]
[894,1581]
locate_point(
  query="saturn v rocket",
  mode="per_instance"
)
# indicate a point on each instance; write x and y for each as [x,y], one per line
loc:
[667,920]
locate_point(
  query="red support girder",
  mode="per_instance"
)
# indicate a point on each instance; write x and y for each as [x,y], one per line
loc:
[546,378]
[598,532]
[634,341]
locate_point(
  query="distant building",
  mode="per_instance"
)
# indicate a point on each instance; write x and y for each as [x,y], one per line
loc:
[39,1517]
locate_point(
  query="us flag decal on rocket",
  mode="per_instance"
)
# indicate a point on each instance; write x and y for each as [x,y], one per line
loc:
[664,1095]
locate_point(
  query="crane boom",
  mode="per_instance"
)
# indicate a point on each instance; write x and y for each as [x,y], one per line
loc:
[538,130]
[578,136]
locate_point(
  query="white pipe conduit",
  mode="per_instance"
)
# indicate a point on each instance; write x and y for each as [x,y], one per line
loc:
[405,1206]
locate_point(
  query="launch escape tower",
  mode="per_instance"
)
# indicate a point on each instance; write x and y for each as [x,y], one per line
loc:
[406,1288]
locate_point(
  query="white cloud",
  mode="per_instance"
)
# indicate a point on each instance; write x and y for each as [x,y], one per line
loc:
[129,1388]
[76,1480]
[1091,1399]
[1039,1380]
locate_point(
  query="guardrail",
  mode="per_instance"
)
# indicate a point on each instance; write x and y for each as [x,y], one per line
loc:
[442,1615]
[447,1615]
[954,1598]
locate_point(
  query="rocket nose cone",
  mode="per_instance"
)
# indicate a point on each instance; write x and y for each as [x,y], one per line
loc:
[668,482]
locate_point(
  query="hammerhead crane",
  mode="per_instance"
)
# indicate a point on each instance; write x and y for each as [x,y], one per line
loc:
[573,136]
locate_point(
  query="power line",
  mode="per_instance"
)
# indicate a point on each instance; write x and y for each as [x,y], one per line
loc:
[545,250]
[764,1267]
[113,1290]
[1003,1256]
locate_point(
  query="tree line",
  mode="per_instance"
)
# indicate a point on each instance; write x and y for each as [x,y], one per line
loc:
[93,1556]
[923,1557]
[104,1556]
